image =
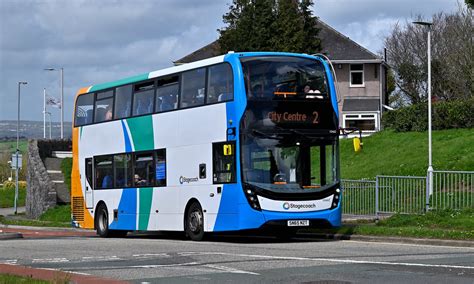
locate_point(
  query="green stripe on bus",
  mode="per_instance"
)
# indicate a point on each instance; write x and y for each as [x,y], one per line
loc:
[146,195]
[141,129]
[119,82]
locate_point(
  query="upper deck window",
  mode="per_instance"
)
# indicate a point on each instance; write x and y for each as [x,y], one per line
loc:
[123,101]
[193,85]
[167,93]
[103,106]
[220,86]
[84,109]
[143,98]
[284,77]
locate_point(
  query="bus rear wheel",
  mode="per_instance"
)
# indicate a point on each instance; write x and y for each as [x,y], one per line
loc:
[194,223]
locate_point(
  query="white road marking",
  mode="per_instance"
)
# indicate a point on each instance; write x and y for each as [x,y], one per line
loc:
[100,258]
[163,265]
[66,271]
[335,260]
[150,255]
[412,245]
[230,269]
[10,261]
[50,260]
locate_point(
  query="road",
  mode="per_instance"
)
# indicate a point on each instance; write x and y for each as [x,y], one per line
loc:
[242,259]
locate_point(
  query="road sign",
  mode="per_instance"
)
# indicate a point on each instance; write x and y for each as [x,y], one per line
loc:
[20,161]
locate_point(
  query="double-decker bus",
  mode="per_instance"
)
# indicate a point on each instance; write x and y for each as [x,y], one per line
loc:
[235,142]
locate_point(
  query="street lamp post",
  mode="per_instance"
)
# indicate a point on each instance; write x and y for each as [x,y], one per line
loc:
[17,146]
[48,113]
[430,160]
[44,113]
[61,72]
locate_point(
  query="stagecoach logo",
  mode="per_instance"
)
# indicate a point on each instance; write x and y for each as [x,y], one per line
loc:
[187,180]
[288,205]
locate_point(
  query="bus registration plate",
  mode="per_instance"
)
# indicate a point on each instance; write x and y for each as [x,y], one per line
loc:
[298,223]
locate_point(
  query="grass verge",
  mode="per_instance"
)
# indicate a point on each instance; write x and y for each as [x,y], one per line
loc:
[446,224]
[394,153]
[8,278]
[7,197]
[59,216]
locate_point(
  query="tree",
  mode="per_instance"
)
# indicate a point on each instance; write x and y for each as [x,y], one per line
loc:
[451,53]
[270,25]
[470,3]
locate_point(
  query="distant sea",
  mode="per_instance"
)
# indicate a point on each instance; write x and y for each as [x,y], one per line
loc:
[33,129]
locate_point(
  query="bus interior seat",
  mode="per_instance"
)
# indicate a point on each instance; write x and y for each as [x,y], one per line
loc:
[89,116]
[100,114]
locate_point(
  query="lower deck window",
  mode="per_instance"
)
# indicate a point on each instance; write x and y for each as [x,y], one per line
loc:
[144,169]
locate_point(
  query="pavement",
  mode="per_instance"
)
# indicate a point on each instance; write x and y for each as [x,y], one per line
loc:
[11,211]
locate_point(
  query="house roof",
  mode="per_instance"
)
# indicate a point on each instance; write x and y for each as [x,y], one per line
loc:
[361,104]
[336,46]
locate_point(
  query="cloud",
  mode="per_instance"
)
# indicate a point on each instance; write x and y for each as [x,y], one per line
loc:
[95,42]
[368,21]
[101,41]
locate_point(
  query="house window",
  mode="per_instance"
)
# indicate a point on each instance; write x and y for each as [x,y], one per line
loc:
[364,122]
[357,75]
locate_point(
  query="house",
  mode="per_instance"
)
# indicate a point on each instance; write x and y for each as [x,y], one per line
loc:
[361,76]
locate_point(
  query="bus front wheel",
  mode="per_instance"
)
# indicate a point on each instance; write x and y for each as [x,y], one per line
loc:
[195,222]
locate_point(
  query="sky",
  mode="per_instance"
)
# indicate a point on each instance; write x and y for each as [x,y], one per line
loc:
[101,41]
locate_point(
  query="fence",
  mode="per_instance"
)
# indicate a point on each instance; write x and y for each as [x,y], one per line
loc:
[452,190]
[358,197]
[411,195]
[401,194]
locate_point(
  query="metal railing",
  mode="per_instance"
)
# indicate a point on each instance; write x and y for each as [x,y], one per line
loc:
[400,194]
[358,197]
[452,190]
[408,194]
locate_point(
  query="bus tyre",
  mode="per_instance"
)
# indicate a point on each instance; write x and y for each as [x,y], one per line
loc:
[102,221]
[195,222]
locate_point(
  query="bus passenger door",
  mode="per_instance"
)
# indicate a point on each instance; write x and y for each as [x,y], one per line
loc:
[89,193]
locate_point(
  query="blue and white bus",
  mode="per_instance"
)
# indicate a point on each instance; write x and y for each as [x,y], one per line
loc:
[235,142]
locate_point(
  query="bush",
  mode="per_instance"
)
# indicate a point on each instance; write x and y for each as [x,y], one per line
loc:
[10,185]
[446,115]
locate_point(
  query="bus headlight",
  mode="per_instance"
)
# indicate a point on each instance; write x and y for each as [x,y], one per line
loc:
[252,197]
[336,198]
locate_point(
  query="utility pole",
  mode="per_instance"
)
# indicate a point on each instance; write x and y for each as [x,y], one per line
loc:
[17,148]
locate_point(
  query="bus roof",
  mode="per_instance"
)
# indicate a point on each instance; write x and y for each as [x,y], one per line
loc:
[181,68]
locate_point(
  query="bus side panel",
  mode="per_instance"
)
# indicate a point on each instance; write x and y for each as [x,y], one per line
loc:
[127,210]
[81,215]
[101,139]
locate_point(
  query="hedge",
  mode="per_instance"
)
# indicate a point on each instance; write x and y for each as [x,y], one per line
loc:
[446,115]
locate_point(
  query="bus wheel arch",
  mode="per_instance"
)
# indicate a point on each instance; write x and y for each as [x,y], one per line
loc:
[194,220]
[101,220]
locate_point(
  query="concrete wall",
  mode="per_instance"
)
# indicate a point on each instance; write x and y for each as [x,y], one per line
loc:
[40,192]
